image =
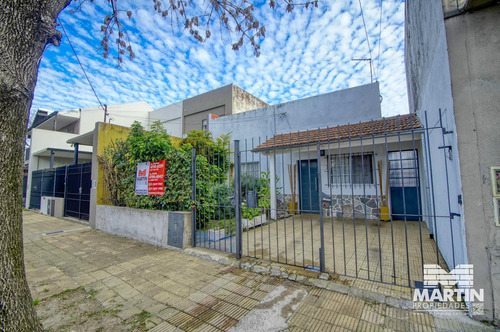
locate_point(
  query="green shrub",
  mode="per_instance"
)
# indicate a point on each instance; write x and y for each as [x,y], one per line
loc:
[249,214]
[120,160]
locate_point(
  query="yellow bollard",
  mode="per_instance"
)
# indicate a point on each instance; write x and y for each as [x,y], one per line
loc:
[384,213]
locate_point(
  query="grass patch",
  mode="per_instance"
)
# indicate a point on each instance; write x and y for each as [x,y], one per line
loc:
[66,292]
[103,312]
[491,324]
[139,320]
[93,293]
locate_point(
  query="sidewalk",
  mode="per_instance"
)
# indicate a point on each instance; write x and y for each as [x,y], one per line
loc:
[187,293]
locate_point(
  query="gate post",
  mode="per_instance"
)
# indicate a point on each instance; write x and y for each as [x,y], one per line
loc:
[237,196]
[320,199]
[193,197]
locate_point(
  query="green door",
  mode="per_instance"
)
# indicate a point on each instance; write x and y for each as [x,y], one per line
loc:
[404,184]
[309,186]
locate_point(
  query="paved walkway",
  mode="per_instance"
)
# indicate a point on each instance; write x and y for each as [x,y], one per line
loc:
[187,293]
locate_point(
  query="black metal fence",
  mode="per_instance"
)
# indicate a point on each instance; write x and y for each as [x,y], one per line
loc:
[357,200]
[72,182]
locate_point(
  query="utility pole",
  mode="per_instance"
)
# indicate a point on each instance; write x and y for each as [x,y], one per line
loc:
[105,112]
[369,59]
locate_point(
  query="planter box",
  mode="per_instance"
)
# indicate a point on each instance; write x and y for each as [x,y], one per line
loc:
[256,221]
[148,226]
[212,235]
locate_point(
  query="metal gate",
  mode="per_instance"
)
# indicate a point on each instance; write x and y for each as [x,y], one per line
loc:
[72,182]
[36,189]
[46,182]
[77,196]
[215,212]
[357,200]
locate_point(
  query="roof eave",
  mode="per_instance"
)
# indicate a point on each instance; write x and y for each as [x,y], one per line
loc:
[419,130]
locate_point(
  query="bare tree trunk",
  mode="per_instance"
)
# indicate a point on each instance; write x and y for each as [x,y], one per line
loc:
[26,27]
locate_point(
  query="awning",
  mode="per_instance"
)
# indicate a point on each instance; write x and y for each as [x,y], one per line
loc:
[63,153]
[83,139]
[59,120]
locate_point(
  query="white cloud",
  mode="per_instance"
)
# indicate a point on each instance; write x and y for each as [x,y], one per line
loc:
[305,53]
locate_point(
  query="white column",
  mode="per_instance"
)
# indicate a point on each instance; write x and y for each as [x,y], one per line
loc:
[31,167]
[272,179]
[94,177]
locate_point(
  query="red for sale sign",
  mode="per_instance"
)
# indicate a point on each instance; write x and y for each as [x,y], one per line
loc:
[156,178]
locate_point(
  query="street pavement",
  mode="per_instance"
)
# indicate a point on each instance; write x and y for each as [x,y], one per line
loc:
[184,292]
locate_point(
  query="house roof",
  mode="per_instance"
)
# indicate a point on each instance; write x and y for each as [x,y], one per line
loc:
[41,117]
[47,122]
[399,123]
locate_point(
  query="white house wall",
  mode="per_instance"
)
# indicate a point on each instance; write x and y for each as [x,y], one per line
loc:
[291,156]
[170,117]
[121,114]
[340,107]
[429,90]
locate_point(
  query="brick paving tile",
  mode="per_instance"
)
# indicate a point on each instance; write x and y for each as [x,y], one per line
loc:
[165,327]
[192,325]
[206,328]
[369,327]
[167,313]
[179,318]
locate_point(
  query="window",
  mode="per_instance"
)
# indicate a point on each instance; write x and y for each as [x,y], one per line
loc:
[204,124]
[251,168]
[403,168]
[351,169]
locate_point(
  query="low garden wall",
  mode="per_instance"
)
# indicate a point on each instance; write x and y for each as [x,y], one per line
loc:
[148,226]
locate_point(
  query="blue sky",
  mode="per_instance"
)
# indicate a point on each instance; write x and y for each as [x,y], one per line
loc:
[305,53]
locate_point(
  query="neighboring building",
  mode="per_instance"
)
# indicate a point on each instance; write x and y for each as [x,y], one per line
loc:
[252,128]
[453,74]
[170,117]
[119,114]
[64,138]
[352,105]
[49,133]
[227,100]
[192,113]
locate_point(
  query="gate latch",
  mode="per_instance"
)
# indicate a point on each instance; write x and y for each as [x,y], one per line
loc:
[453,215]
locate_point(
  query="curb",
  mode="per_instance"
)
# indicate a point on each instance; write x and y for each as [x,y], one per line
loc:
[322,281]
